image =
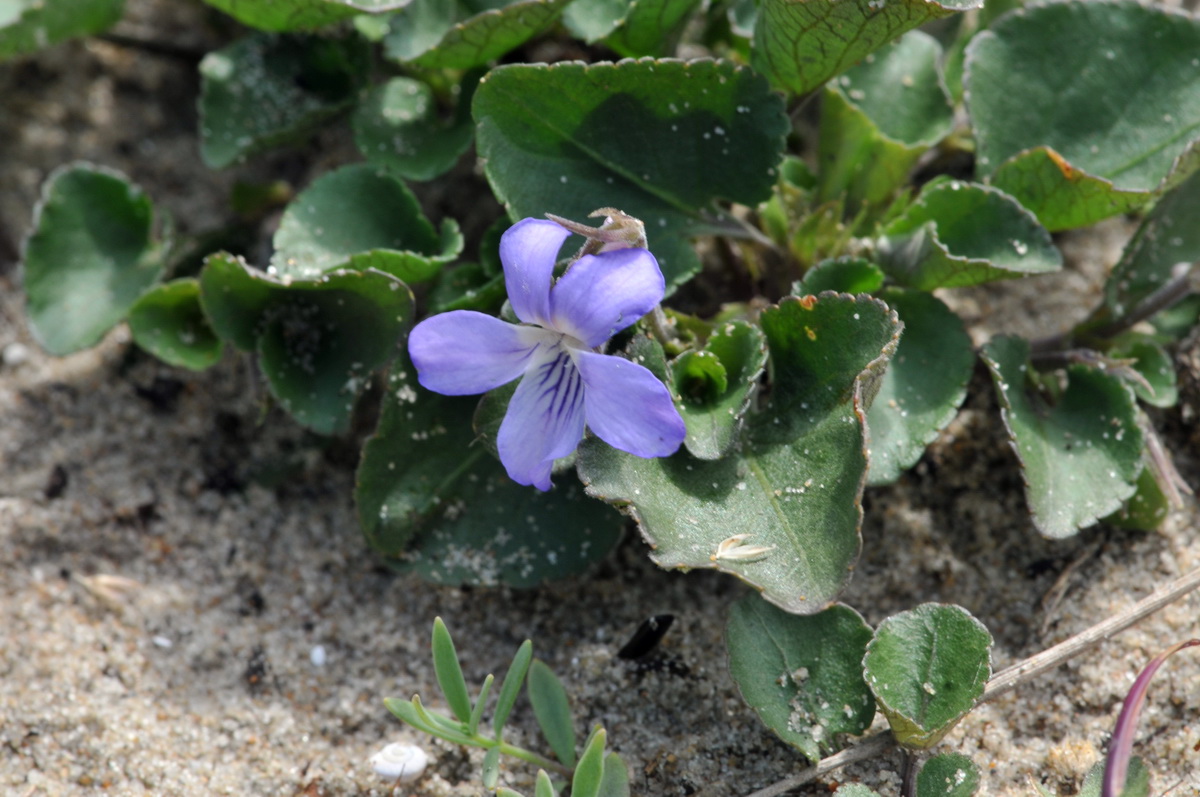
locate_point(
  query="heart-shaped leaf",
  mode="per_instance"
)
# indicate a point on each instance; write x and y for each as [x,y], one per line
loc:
[169,322]
[924,385]
[396,126]
[592,20]
[801,45]
[948,775]
[927,668]
[318,340]
[362,217]
[842,274]
[878,118]
[27,26]
[958,234]
[650,27]
[488,35]
[1084,126]
[569,138]
[89,257]
[781,512]
[1081,455]
[716,384]
[433,501]
[266,90]
[802,675]
[301,14]
[418,27]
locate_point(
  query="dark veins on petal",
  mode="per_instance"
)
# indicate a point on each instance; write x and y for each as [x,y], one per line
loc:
[559,380]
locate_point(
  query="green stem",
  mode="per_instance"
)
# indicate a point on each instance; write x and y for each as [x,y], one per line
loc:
[531,757]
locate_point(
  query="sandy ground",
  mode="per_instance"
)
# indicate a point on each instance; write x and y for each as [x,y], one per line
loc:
[171,562]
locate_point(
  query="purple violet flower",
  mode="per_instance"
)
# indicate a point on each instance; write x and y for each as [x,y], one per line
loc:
[566,379]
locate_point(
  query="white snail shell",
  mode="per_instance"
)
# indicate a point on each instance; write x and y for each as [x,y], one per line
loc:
[402,762]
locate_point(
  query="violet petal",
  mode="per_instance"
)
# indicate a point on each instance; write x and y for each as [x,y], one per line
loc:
[463,352]
[528,251]
[602,294]
[628,407]
[544,419]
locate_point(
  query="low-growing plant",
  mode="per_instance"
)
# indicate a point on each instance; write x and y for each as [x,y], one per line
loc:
[593,772]
[846,164]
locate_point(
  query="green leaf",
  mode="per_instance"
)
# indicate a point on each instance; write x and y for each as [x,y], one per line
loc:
[489,35]
[948,775]
[1167,236]
[855,790]
[552,710]
[89,257]
[407,712]
[592,20]
[716,384]
[363,217]
[283,15]
[783,511]
[924,385]
[615,782]
[842,274]
[927,667]
[491,769]
[1154,365]
[958,234]
[800,45]
[432,723]
[878,119]
[1082,454]
[741,16]
[396,126]
[650,27]
[266,90]
[467,286]
[1062,196]
[1084,126]
[802,675]
[1137,780]
[590,770]
[1146,509]
[449,673]
[27,26]
[169,322]
[544,786]
[569,138]
[433,502]
[511,688]
[477,709]
[417,28]
[318,340]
